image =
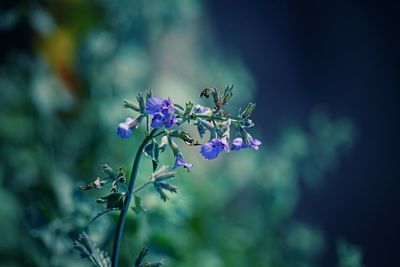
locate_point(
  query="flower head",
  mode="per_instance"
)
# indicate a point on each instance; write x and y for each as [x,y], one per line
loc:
[169,120]
[180,161]
[157,121]
[254,143]
[212,149]
[154,104]
[167,106]
[124,128]
[238,144]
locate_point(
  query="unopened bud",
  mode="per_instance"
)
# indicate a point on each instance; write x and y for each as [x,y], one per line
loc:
[131,105]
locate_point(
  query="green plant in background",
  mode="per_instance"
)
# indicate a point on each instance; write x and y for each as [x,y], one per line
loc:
[58,113]
[164,114]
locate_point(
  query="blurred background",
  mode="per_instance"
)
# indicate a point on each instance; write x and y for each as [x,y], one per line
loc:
[321,191]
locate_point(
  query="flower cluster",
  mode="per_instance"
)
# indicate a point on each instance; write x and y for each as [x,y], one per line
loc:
[212,149]
[164,113]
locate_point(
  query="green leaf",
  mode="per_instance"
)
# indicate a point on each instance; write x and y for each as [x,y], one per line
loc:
[138,209]
[113,201]
[152,152]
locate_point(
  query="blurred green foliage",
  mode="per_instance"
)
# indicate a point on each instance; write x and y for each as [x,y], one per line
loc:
[59,109]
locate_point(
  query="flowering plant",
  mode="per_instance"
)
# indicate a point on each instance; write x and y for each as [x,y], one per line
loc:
[163,119]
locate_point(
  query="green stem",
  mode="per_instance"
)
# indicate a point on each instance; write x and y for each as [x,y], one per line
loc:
[212,117]
[124,211]
[142,186]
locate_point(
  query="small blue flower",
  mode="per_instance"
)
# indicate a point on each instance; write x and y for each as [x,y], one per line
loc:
[124,128]
[238,144]
[169,120]
[157,121]
[180,161]
[167,106]
[212,149]
[199,109]
[254,143]
[154,105]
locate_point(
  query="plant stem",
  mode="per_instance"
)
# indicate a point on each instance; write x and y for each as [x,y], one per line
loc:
[142,186]
[125,209]
[213,117]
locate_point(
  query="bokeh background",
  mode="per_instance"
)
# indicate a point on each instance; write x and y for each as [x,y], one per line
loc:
[321,191]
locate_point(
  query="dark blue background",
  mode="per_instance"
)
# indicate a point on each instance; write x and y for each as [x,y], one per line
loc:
[344,55]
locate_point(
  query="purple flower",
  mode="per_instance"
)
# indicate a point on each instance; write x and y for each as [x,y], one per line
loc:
[157,121]
[154,104]
[169,120]
[180,161]
[212,149]
[167,106]
[254,143]
[238,144]
[124,128]
[199,109]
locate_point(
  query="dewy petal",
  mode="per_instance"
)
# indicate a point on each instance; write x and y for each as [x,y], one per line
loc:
[209,150]
[154,104]
[157,121]
[237,144]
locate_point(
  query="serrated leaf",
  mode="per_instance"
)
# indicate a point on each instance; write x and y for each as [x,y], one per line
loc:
[138,209]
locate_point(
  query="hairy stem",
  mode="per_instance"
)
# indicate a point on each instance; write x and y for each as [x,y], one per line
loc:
[125,209]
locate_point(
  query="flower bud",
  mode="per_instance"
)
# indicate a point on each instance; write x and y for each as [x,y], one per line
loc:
[131,105]
[163,174]
[173,146]
[108,170]
[171,188]
[244,114]
[142,102]
[163,143]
